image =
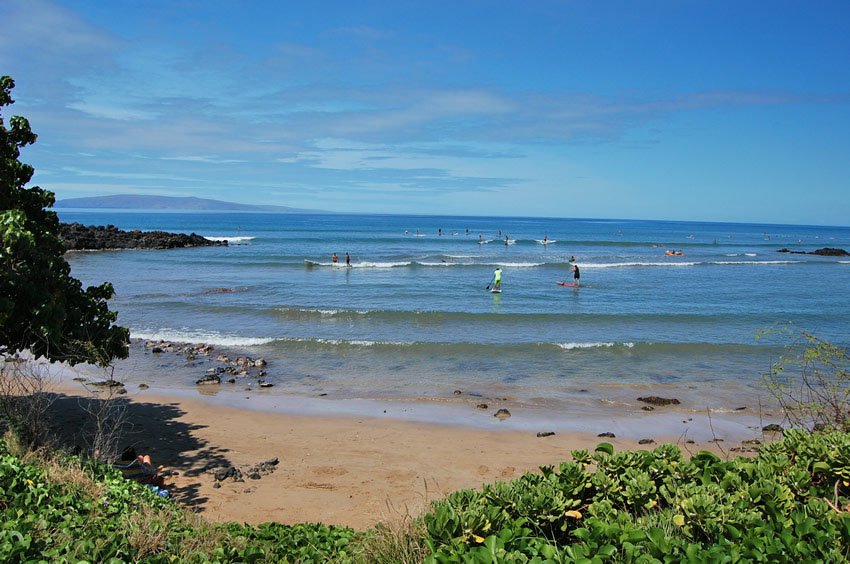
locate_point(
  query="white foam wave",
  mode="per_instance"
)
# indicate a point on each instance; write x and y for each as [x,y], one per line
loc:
[208,337]
[634,264]
[546,242]
[231,240]
[519,264]
[572,346]
[756,262]
[485,241]
[741,255]
[844,262]
[380,264]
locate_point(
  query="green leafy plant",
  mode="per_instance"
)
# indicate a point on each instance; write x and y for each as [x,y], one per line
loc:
[811,381]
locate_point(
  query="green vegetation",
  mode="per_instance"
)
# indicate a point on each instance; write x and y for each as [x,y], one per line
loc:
[43,308]
[790,502]
[70,510]
[642,506]
[811,382]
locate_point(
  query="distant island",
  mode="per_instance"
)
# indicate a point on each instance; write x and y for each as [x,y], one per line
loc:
[141,202]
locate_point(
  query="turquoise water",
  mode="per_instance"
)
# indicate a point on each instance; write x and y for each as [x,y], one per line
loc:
[411,317]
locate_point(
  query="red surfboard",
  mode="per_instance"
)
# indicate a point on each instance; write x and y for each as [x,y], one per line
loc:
[559,283]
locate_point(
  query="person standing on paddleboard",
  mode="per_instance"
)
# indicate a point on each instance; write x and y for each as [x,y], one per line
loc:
[347,259]
[497,279]
[576,274]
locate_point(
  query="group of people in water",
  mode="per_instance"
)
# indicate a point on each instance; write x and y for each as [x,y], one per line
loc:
[496,284]
[335,259]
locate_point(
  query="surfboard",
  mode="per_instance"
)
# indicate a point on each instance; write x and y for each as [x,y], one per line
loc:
[559,283]
[495,291]
[546,242]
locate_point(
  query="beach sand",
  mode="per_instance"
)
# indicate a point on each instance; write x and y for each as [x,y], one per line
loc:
[343,470]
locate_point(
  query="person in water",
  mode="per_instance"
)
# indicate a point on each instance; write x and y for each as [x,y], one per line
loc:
[506,239]
[334,258]
[576,275]
[497,279]
[347,260]
[573,258]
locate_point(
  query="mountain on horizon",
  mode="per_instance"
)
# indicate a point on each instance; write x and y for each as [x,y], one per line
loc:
[142,202]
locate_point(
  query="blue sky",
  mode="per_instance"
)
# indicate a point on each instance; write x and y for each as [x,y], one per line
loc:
[657,109]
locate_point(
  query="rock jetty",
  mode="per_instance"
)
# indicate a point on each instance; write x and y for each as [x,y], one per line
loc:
[78,237]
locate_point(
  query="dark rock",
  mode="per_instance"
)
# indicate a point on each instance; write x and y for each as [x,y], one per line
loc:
[689,442]
[648,408]
[107,384]
[216,485]
[157,350]
[482,406]
[545,433]
[77,237]
[458,392]
[266,384]
[655,400]
[231,381]
[502,414]
[742,408]
[208,379]
[646,442]
[608,435]
[716,440]
[825,252]
[772,428]
[143,386]
[831,252]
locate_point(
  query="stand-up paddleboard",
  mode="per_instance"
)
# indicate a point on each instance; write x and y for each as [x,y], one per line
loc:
[559,283]
[495,290]
[546,242]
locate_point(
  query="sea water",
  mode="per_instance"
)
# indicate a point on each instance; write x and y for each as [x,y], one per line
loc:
[411,317]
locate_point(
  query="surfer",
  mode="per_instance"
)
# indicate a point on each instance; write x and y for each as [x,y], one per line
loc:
[545,239]
[497,279]
[347,260]
[576,274]
[573,258]
[506,239]
[334,258]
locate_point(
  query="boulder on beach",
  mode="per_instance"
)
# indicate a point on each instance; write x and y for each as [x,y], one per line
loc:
[208,379]
[502,414]
[655,400]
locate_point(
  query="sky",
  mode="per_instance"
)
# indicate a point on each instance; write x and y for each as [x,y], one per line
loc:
[658,109]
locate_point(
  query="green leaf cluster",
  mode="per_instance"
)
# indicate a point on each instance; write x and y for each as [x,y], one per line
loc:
[42,307]
[656,506]
[44,521]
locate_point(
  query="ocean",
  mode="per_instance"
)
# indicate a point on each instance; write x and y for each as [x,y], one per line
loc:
[411,319]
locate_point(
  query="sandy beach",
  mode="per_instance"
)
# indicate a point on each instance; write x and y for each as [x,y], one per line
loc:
[347,470]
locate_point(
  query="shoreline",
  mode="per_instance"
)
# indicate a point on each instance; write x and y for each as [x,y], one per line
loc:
[344,466]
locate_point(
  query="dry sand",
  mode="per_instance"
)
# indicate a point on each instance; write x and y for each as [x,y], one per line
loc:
[354,471]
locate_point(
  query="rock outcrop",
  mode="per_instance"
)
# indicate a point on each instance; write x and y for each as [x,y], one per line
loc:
[78,237]
[825,252]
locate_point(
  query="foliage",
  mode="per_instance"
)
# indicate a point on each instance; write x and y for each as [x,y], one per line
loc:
[42,519]
[655,506]
[791,502]
[811,381]
[42,307]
